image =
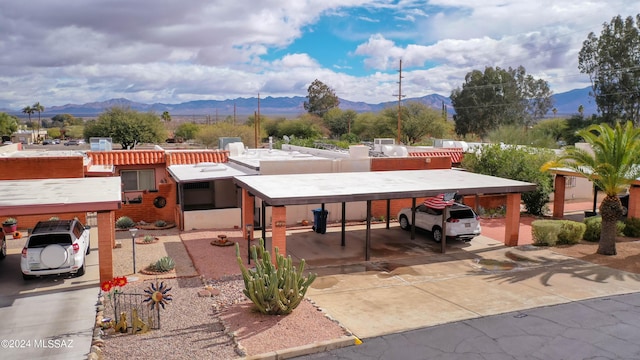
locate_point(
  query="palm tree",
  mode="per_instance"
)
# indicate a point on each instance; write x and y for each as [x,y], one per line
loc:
[166,117]
[612,167]
[39,108]
[28,110]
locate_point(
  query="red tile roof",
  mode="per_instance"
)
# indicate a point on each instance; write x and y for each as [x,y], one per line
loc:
[456,154]
[195,157]
[126,157]
[153,157]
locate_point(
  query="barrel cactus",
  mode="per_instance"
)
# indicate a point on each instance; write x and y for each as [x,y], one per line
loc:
[274,289]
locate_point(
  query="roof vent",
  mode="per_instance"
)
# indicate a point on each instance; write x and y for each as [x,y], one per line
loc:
[216,168]
[206,164]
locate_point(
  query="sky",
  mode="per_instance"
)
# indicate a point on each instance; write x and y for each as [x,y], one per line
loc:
[59,52]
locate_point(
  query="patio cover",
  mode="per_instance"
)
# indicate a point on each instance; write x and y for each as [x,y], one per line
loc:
[301,189]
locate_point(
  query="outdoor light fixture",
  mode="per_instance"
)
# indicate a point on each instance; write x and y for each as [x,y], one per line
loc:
[133,232]
[249,231]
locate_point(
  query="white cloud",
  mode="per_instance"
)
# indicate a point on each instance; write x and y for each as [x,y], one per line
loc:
[168,51]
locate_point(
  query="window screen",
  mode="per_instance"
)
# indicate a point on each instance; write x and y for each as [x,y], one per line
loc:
[136,180]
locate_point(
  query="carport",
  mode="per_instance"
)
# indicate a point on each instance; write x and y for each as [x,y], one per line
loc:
[51,196]
[560,185]
[278,191]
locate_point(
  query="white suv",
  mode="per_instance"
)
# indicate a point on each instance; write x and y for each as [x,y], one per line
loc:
[462,221]
[55,247]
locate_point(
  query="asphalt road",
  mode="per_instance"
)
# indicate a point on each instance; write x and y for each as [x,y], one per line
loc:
[50,317]
[601,328]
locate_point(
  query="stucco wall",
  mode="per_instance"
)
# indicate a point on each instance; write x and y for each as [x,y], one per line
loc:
[212,219]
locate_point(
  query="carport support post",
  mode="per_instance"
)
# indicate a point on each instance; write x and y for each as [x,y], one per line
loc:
[106,243]
[413,219]
[512,224]
[634,195]
[388,212]
[248,204]
[367,242]
[558,196]
[278,231]
[443,242]
[344,230]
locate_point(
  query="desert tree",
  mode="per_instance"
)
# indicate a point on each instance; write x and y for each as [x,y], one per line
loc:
[321,98]
[612,62]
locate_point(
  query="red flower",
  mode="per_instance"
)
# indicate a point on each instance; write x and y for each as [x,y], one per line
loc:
[120,281]
[107,286]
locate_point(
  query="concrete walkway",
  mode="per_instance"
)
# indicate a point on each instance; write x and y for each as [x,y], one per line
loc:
[480,280]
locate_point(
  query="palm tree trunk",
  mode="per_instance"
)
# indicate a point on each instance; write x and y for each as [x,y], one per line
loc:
[611,210]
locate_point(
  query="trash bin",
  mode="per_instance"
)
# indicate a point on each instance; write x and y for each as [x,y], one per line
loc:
[320,220]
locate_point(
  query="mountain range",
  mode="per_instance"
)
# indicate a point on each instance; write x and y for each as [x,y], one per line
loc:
[566,103]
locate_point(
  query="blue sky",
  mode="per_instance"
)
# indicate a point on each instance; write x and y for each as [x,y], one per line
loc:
[170,52]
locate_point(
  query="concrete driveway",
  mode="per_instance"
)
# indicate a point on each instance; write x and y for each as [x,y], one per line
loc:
[50,317]
[408,284]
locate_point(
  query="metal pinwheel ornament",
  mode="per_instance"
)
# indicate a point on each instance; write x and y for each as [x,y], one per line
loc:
[158,294]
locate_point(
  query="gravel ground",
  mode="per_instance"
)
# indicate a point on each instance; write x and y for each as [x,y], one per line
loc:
[222,326]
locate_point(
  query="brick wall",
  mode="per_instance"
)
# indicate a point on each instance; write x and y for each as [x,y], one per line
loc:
[379,207]
[411,163]
[486,201]
[147,211]
[26,222]
[21,168]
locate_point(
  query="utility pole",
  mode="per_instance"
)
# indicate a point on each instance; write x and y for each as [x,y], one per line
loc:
[234,113]
[258,122]
[400,96]
[255,128]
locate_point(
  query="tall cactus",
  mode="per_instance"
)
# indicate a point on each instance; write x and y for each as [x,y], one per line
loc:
[275,290]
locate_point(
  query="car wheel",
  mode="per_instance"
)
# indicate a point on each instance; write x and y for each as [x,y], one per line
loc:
[3,249]
[404,223]
[437,234]
[88,248]
[80,271]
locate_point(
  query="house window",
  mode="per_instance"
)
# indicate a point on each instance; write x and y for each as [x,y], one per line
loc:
[570,181]
[138,180]
[216,194]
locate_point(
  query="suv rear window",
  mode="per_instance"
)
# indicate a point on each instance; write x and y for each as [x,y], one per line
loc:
[44,240]
[463,214]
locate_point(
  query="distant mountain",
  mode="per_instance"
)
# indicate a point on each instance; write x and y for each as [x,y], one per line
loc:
[566,104]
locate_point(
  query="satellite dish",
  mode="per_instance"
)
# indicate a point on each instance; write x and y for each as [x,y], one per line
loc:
[286,139]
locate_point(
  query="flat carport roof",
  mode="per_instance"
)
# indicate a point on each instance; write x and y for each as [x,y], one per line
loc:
[50,196]
[33,197]
[302,189]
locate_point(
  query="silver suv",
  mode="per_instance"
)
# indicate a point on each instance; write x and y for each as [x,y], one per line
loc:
[462,221]
[55,247]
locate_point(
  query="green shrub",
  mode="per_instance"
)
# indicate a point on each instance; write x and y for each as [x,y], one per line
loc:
[275,290]
[124,222]
[516,163]
[164,264]
[570,232]
[557,232]
[149,238]
[545,232]
[594,227]
[160,223]
[632,227]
